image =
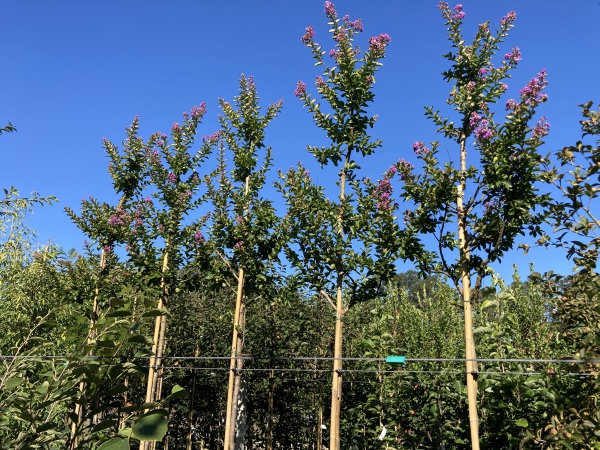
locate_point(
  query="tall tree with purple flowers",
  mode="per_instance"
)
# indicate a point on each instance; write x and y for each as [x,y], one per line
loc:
[345,248]
[491,203]
[244,227]
[160,187]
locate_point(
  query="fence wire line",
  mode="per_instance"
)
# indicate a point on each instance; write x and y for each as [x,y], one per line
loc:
[307,358]
[440,372]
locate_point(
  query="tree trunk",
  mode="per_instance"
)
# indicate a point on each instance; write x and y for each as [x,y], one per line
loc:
[230,419]
[336,388]
[189,442]
[471,366]
[153,390]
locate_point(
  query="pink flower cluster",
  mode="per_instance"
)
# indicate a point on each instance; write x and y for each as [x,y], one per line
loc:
[120,217]
[329,9]
[458,13]
[138,218]
[176,128]
[514,56]
[154,158]
[509,18]
[531,93]
[213,138]
[319,82]
[199,238]
[382,193]
[377,43]
[172,178]
[300,89]
[307,39]
[480,127]
[239,245]
[198,111]
[541,129]
[420,148]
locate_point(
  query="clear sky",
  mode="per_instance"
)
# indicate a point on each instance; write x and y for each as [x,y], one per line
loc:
[73,72]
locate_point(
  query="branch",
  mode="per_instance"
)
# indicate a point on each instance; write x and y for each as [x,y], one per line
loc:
[326,296]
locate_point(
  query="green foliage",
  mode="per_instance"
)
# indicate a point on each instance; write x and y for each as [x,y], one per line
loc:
[576,423]
[244,224]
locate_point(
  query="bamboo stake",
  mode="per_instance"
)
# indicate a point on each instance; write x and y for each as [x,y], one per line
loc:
[336,386]
[236,349]
[189,442]
[471,366]
[230,420]
[154,371]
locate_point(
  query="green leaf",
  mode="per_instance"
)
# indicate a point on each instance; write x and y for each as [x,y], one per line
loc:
[176,392]
[139,339]
[522,423]
[12,383]
[115,444]
[152,427]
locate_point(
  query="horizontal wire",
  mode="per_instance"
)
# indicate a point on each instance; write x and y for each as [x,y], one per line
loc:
[308,358]
[440,372]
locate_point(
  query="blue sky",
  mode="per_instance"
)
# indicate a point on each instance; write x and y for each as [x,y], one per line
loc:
[73,72]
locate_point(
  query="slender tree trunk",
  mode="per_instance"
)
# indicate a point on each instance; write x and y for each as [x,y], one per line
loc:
[239,364]
[153,390]
[471,366]
[189,442]
[336,387]
[233,365]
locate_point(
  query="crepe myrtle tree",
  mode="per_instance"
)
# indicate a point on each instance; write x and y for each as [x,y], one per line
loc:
[344,248]
[490,203]
[160,187]
[245,227]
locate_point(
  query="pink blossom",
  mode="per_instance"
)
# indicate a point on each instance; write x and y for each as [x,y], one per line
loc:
[329,9]
[176,128]
[377,44]
[198,111]
[420,148]
[514,56]
[319,82]
[541,129]
[308,36]
[334,54]
[531,93]
[382,194]
[511,104]
[172,178]
[148,201]
[300,89]
[239,245]
[211,139]
[199,238]
[107,249]
[510,17]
